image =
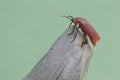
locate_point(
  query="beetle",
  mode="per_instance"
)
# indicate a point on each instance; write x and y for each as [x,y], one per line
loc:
[86,28]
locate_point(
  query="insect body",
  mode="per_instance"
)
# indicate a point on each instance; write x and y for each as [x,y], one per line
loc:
[87,29]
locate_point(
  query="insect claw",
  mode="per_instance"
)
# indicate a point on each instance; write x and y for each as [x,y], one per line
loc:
[84,42]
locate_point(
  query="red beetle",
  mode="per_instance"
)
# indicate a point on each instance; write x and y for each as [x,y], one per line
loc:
[87,29]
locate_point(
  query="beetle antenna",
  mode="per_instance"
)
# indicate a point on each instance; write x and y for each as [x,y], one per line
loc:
[69,17]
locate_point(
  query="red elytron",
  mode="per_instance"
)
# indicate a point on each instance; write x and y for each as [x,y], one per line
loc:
[87,29]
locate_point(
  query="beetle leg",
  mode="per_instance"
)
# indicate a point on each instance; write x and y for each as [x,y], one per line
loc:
[70,24]
[72,31]
[75,35]
[86,40]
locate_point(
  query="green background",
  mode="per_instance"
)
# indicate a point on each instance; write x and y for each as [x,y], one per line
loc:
[29,27]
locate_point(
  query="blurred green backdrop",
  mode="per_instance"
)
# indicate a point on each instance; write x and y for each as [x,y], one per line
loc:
[29,27]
